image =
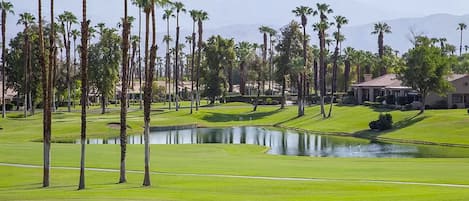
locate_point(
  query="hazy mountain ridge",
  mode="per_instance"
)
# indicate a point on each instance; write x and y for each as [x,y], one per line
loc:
[359,37]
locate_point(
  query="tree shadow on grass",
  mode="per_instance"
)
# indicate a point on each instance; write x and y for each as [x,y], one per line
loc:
[373,135]
[251,116]
[375,109]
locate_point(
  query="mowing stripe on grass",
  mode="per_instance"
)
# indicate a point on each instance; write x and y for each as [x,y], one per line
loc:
[250,177]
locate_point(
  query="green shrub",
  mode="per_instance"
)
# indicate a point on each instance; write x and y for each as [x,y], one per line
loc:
[383,123]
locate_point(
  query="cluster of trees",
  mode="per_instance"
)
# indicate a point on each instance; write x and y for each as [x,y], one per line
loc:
[98,70]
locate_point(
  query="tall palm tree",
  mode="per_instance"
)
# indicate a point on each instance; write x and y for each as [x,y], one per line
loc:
[84,90]
[168,14]
[179,7]
[264,30]
[193,14]
[381,28]
[349,52]
[272,33]
[321,27]
[26,19]
[146,6]
[339,22]
[124,83]
[46,126]
[201,17]
[50,80]
[75,34]
[461,28]
[135,41]
[67,19]
[303,12]
[7,8]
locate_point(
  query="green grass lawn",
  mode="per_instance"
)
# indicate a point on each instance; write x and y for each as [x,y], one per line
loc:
[446,126]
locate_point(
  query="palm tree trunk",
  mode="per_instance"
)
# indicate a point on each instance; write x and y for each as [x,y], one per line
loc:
[46,130]
[322,70]
[4,15]
[49,81]
[347,75]
[68,55]
[149,63]
[199,58]
[315,76]
[123,115]
[26,67]
[334,74]
[168,66]
[256,102]
[271,65]
[84,92]
[460,42]
[176,65]
[381,51]
[242,84]
[284,86]
[192,66]
[140,59]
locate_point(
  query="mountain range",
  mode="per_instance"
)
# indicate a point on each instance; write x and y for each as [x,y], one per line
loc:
[359,36]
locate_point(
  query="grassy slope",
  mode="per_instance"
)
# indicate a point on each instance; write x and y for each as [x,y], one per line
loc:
[228,159]
[237,160]
[442,126]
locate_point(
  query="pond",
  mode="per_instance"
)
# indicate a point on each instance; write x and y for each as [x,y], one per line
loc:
[288,142]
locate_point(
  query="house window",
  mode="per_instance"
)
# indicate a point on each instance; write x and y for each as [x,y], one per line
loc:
[457,98]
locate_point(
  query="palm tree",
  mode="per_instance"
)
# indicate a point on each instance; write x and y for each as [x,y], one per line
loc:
[52,57]
[321,27]
[46,125]
[264,30]
[146,6]
[303,12]
[84,91]
[125,77]
[6,7]
[179,7]
[349,52]
[201,17]
[26,19]
[168,14]
[135,41]
[272,34]
[193,14]
[75,34]
[339,22]
[461,28]
[67,19]
[381,28]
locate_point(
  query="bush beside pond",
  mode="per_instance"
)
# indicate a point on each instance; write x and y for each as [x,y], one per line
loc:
[383,123]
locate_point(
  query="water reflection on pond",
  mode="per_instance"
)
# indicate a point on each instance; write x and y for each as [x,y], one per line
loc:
[281,142]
